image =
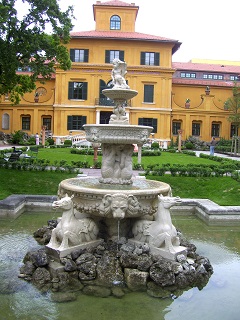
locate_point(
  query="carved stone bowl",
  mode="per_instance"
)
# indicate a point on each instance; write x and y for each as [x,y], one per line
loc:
[117,134]
[96,199]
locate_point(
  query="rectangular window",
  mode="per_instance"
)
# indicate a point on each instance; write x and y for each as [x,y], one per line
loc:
[26,122]
[113,54]
[76,122]
[234,78]
[176,125]
[148,93]
[79,55]
[187,75]
[213,76]
[150,58]
[151,122]
[215,130]
[77,90]
[196,129]
[47,123]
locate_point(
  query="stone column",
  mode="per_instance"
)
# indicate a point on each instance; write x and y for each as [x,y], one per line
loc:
[180,140]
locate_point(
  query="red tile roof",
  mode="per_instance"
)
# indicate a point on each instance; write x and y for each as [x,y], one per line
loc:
[115,3]
[133,36]
[218,68]
[200,82]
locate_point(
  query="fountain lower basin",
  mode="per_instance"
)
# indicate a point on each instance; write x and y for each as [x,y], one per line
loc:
[90,196]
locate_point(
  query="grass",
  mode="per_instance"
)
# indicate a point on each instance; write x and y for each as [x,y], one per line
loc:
[58,154]
[222,190]
[30,182]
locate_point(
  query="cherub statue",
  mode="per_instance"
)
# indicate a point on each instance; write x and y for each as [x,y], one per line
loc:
[118,74]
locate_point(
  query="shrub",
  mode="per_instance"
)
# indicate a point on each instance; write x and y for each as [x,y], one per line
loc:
[155,145]
[189,145]
[18,137]
[50,141]
[67,143]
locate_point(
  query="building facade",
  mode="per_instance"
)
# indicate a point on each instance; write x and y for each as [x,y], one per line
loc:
[171,96]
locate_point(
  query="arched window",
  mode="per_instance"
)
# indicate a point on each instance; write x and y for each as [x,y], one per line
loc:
[5,121]
[115,23]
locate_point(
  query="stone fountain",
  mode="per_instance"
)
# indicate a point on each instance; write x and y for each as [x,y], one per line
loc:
[117,208]
[116,201]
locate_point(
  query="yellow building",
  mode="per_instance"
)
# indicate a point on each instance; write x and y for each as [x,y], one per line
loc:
[74,97]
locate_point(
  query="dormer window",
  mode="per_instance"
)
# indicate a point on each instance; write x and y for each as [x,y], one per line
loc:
[115,23]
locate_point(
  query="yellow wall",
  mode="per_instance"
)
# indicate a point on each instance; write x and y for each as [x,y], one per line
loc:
[169,99]
[104,13]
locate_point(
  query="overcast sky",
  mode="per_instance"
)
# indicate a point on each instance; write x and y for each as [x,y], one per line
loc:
[207,29]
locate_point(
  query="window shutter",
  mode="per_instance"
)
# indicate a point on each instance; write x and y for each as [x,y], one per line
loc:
[148,93]
[84,121]
[102,86]
[84,90]
[86,54]
[72,55]
[121,55]
[107,56]
[70,90]
[69,122]
[142,60]
[154,125]
[156,59]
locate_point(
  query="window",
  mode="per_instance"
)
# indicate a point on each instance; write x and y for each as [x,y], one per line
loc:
[77,90]
[105,117]
[213,76]
[215,130]
[148,122]
[150,58]
[148,93]
[234,78]
[187,75]
[5,121]
[79,55]
[76,122]
[47,123]
[115,23]
[196,128]
[233,130]
[176,125]
[26,122]
[113,54]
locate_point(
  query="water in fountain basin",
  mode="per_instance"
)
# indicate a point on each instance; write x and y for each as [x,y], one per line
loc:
[218,300]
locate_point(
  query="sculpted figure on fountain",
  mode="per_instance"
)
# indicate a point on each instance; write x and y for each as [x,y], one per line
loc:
[118,74]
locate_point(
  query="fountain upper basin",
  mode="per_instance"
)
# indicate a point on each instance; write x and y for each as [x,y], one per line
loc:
[116,133]
[120,94]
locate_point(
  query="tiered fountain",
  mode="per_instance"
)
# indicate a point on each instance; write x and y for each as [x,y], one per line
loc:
[116,195]
[120,211]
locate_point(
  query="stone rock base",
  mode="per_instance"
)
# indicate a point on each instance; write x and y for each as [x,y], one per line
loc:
[170,255]
[58,254]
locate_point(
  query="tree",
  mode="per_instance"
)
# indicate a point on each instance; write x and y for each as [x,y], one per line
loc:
[25,44]
[232,104]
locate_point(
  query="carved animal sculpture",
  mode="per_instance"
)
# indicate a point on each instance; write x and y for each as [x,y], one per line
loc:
[71,231]
[160,233]
[119,206]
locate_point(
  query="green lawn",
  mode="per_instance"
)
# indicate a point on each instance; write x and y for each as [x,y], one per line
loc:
[222,190]
[58,154]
